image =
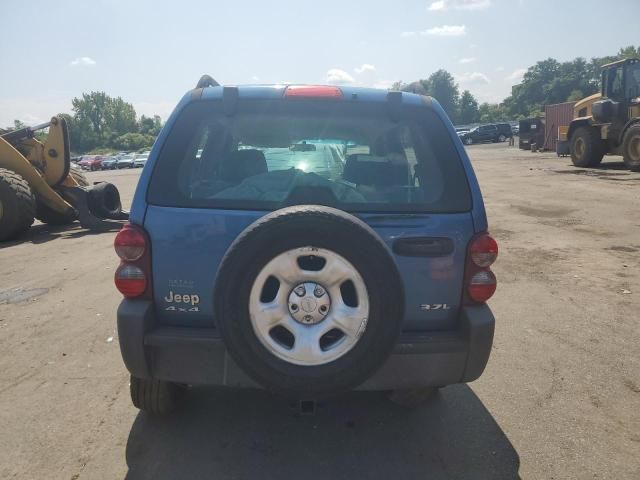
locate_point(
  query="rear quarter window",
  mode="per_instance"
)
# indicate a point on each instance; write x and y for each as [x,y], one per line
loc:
[272,154]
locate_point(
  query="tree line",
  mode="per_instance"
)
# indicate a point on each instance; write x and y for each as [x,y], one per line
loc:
[101,123]
[547,82]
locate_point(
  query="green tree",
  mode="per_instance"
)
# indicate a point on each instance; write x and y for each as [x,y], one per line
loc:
[575,95]
[468,108]
[150,125]
[92,107]
[133,141]
[81,135]
[491,113]
[119,118]
[441,86]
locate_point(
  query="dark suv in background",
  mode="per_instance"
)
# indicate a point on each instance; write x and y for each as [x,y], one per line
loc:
[487,133]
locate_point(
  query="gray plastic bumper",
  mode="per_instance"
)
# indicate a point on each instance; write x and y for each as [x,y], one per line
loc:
[198,356]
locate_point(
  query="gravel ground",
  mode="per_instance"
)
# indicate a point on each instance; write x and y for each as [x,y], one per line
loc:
[560,397]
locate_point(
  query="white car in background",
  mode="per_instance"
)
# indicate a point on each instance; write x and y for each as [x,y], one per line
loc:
[140,159]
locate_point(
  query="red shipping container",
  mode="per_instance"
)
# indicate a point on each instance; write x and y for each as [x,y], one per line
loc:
[558,115]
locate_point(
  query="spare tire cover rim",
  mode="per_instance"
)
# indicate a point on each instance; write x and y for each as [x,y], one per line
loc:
[307,349]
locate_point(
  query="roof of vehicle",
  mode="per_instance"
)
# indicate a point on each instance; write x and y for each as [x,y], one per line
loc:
[277,91]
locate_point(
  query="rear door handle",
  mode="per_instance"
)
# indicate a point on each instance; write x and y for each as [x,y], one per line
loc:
[423,246]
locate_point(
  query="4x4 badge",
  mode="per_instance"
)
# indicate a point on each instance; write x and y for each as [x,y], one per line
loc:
[190,302]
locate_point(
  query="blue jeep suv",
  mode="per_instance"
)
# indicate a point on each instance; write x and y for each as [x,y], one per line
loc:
[306,239]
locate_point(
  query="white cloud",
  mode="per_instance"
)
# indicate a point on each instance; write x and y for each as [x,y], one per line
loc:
[408,34]
[335,76]
[83,61]
[255,78]
[442,5]
[471,4]
[500,69]
[473,78]
[467,60]
[516,75]
[446,31]
[364,68]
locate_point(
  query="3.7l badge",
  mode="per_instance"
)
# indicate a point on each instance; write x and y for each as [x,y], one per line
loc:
[435,306]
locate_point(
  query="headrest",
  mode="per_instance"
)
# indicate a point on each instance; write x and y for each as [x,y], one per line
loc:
[242,164]
[376,171]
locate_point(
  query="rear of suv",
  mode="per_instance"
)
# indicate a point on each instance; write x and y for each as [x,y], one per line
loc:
[308,240]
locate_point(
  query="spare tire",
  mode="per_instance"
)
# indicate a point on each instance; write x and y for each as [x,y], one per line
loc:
[308,301]
[104,200]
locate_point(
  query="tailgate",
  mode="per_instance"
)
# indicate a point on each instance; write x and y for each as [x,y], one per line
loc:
[188,245]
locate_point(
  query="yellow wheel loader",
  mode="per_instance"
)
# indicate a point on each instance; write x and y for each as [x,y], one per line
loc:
[609,122]
[37,180]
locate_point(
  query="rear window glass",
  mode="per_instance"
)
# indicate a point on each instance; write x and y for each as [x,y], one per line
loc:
[271,154]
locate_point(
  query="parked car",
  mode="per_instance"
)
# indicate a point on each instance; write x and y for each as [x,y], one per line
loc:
[91,162]
[140,159]
[109,163]
[125,161]
[241,268]
[481,134]
[504,132]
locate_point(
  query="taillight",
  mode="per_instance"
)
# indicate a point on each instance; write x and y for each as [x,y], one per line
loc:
[483,250]
[133,276]
[480,282]
[313,91]
[130,280]
[130,243]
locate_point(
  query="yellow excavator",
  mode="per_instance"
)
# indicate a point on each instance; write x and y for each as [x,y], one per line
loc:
[38,180]
[609,122]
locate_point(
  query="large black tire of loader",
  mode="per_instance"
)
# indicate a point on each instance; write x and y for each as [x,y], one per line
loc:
[49,216]
[323,228]
[587,148]
[155,397]
[631,148]
[104,200]
[17,205]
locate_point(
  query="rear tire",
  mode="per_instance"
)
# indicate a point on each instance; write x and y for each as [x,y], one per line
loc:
[587,149]
[17,205]
[414,398]
[502,138]
[631,148]
[155,397]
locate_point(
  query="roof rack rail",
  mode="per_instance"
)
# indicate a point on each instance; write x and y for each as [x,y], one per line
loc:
[207,81]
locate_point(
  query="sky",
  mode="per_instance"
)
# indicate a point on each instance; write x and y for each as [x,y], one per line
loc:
[151,52]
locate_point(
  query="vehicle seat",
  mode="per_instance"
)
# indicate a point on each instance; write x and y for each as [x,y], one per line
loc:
[242,164]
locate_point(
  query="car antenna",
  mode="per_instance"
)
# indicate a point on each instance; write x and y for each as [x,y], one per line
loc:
[207,81]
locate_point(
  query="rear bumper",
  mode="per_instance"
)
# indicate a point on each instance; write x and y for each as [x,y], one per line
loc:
[197,356]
